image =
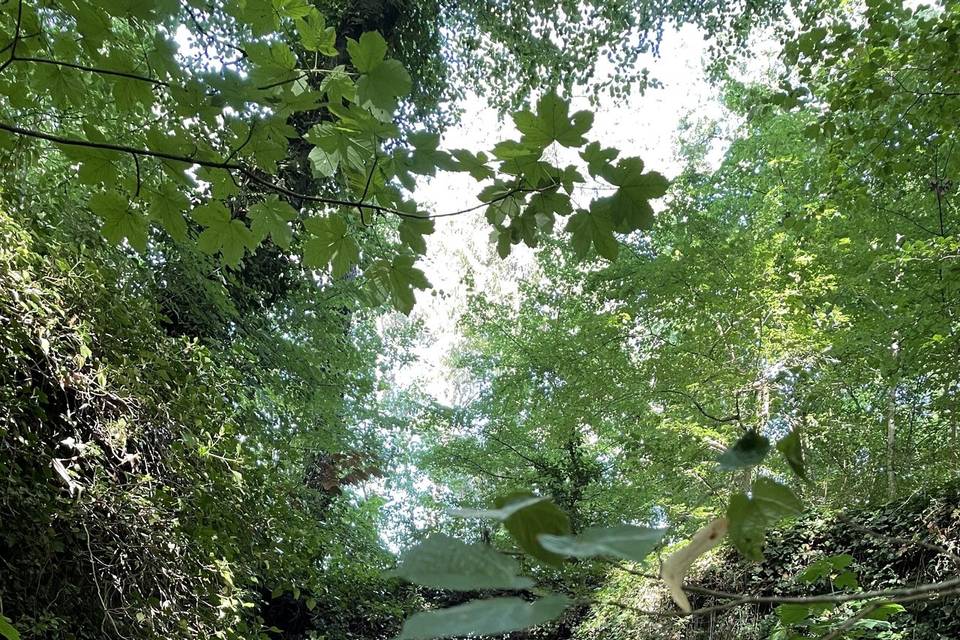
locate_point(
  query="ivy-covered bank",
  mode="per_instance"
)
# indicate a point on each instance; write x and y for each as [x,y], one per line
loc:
[134,498]
[907,542]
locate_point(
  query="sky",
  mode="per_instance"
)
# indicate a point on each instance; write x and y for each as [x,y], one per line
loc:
[643,125]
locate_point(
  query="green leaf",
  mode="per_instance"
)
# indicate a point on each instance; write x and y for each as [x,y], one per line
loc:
[598,158]
[445,563]
[792,449]
[532,520]
[315,35]
[293,8]
[367,53]
[272,217]
[884,611]
[629,207]
[398,279]
[483,618]
[231,238]
[7,629]
[553,123]
[747,526]
[500,513]
[384,84]
[330,244]
[272,63]
[626,542]
[167,207]
[748,451]
[775,500]
[474,164]
[846,580]
[592,228]
[119,221]
[412,230]
[792,613]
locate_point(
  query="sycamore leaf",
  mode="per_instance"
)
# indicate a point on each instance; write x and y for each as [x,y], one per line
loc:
[315,35]
[330,244]
[368,52]
[446,563]
[598,159]
[553,123]
[230,237]
[592,228]
[629,206]
[272,62]
[412,230]
[119,221]
[384,84]
[272,217]
[475,165]
[483,618]
[167,207]
[397,279]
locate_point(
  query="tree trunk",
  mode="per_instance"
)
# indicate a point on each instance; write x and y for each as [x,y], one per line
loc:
[891,420]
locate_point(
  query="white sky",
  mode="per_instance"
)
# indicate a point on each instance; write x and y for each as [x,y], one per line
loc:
[644,126]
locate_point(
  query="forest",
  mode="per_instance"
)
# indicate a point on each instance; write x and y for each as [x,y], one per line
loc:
[414,319]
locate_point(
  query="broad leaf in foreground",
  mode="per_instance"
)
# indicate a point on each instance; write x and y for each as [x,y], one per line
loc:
[446,563]
[483,618]
[626,542]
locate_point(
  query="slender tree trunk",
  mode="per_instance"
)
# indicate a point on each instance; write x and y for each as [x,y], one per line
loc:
[891,420]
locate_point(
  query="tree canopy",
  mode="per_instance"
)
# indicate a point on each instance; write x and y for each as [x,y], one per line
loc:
[212,255]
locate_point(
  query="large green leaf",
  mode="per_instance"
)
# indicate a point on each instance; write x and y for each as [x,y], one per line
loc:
[595,228]
[483,618]
[531,521]
[747,526]
[629,206]
[119,220]
[272,217]
[552,123]
[7,629]
[368,52]
[446,563]
[792,449]
[223,234]
[748,451]
[775,500]
[626,542]
[330,243]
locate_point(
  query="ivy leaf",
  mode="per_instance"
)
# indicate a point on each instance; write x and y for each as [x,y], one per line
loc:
[330,244]
[167,207]
[748,451]
[592,228]
[792,449]
[527,523]
[630,207]
[272,217]
[445,563]
[367,53]
[483,618]
[412,230]
[626,542]
[119,221]
[231,238]
[553,123]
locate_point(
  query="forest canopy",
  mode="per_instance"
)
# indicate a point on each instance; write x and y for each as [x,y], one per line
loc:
[710,400]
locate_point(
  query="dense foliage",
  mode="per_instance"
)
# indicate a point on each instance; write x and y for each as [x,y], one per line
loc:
[209,215]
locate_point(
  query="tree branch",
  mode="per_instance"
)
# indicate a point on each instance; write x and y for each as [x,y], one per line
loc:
[254,177]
